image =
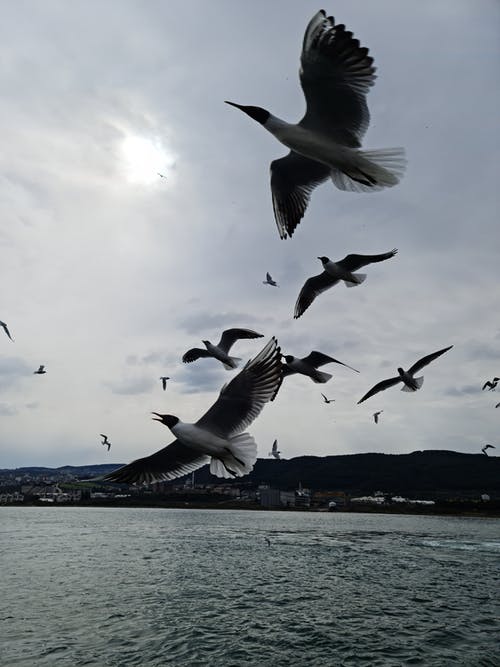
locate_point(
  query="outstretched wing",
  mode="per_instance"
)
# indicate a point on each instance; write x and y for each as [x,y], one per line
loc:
[355,262]
[230,336]
[318,359]
[381,386]
[336,74]
[293,178]
[5,328]
[193,354]
[243,398]
[418,365]
[311,289]
[171,462]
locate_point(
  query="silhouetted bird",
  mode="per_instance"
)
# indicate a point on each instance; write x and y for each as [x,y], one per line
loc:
[328,400]
[375,416]
[105,441]
[270,281]
[161,175]
[333,273]
[274,451]
[221,350]
[164,379]
[309,365]
[497,405]
[217,437]
[410,383]
[491,384]
[487,447]
[336,74]
[5,328]
[41,370]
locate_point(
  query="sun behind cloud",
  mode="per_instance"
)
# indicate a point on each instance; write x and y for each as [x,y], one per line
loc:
[145,159]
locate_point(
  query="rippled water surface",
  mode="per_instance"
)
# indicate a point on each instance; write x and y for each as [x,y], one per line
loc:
[195,588]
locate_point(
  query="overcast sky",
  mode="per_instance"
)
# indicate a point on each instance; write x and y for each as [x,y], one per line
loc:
[110,273]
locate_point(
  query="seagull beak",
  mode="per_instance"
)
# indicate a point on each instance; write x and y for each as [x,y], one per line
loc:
[156,418]
[233,104]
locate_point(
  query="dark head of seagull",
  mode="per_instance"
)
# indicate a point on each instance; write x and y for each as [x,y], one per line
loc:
[168,420]
[258,114]
[288,358]
[324,260]
[206,343]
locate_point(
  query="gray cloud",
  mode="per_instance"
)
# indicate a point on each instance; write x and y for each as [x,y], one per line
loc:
[140,385]
[7,410]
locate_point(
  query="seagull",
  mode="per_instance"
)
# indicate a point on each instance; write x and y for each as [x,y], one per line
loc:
[487,447]
[217,437]
[308,366]
[375,416]
[164,379]
[221,350]
[274,451]
[497,405]
[270,281]
[491,384]
[410,383]
[268,541]
[161,175]
[105,441]
[5,328]
[336,74]
[334,272]
[41,370]
[328,400]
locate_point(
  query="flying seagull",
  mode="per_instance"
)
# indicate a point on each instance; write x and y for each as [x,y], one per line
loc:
[336,74]
[410,383]
[497,405]
[164,379]
[334,272]
[105,440]
[41,370]
[328,400]
[270,281]
[274,451]
[5,328]
[309,365]
[487,447]
[375,416]
[161,175]
[491,384]
[217,438]
[221,350]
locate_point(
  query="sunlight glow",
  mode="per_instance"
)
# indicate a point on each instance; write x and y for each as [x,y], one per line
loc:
[145,159]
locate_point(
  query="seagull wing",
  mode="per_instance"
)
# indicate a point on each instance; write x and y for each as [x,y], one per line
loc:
[318,359]
[230,336]
[355,262]
[293,178]
[5,328]
[195,353]
[311,289]
[418,365]
[268,277]
[381,386]
[170,462]
[487,384]
[336,74]
[243,398]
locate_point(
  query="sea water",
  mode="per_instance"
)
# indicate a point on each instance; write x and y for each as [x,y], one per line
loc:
[195,588]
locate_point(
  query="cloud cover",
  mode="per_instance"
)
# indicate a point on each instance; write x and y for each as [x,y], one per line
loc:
[108,281]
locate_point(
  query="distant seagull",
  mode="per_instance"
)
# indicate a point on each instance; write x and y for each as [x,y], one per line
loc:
[217,437]
[105,441]
[336,74]
[410,383]
[487,447]
[164,379]
[5,328]
[274,451]
[270,281]
[497,405]
[491,384]
[41,370]
[328,400]
[268,541]
[309,365]
[221,350]
[161,175]
[333,273]
[375,416]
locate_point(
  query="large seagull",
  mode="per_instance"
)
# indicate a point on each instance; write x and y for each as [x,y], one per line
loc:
[336,74]
[217,437]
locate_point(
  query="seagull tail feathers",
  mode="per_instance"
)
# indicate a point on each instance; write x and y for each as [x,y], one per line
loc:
[360,278]
[239,460]
[320,377]
[418,381]
[234,363]
[369,171]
